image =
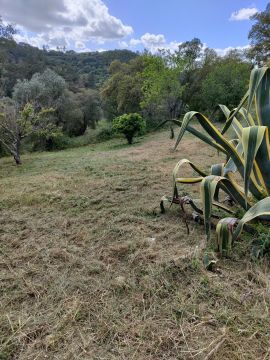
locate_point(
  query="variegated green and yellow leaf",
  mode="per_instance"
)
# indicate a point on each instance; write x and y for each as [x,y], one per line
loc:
[252,137]
[255,187]
[224,230]
[260,209]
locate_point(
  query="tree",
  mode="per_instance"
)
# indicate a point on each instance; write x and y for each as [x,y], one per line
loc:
[10,132]
[129,125]
[7,31]
[16,125]
[225,83]
[260,36]
[43,90]
[122,92]
[79,110]
[71,115]
[90,104]
[190,52]
[162,89]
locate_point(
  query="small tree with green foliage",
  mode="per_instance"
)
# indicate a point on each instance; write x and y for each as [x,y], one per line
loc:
[129,125]
[16,125]
[259,36]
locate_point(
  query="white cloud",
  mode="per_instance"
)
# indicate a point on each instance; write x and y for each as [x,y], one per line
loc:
[243,14]
[62,22]
[154,42]
[80,45]
[224,51]
[123,44]
[134,42]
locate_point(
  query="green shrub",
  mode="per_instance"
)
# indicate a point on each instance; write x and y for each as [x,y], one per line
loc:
[129,125]
[104,133]
[48,142]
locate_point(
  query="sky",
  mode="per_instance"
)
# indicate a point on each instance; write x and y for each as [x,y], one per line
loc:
[97,25]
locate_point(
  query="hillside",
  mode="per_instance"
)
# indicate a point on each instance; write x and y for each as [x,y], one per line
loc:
[90,269]
[90,70]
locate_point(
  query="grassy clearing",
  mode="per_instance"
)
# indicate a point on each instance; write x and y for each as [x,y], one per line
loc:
[91,270]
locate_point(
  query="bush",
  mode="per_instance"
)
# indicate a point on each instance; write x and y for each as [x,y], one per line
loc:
[104,133]
[49,142]
[129,125]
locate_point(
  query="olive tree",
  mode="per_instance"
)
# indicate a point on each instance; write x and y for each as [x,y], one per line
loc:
[43,90]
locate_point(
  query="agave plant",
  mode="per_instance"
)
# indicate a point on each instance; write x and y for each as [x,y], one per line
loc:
[246,153]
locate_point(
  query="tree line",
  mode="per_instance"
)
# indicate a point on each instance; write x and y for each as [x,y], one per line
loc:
[165,85]
[49,96]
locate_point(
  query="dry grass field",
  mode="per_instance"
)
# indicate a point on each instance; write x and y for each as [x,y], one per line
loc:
[90,269]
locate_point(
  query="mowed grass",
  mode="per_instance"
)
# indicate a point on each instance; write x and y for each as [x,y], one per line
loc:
[90,269]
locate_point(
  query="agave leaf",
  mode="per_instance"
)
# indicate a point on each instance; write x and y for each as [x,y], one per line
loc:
[223,207]
[195,132]
[234,113]
[252,137]
[262,99]
[191,180]
[186,161]
[247,116]
[224,230]
[235,123]
[230,165]
[255,188]
[208,188]
[185,180]
[209,263]
[261,208]
[256,77]
[262,162]
[217,169]
[205,139]
[236,192]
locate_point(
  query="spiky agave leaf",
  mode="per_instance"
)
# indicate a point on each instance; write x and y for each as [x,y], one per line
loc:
[248,153]
[224,230]
[192,180]
[260,209]
[252,137]
[234,113]
[255,187]
[208,190]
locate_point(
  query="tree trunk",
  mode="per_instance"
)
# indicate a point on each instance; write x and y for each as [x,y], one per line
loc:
[16,151]
[17,159]
[129,138]
[171,118]
[172,133]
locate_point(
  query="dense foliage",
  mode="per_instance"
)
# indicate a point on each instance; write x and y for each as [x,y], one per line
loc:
[122,93]
[80,70]
[164,85]
[260,36]
[129,125]
[83,88]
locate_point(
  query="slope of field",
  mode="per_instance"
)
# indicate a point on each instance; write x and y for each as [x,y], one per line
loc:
[90,269]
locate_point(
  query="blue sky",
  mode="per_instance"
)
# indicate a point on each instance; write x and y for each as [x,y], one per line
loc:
[181,20]
[134,24]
